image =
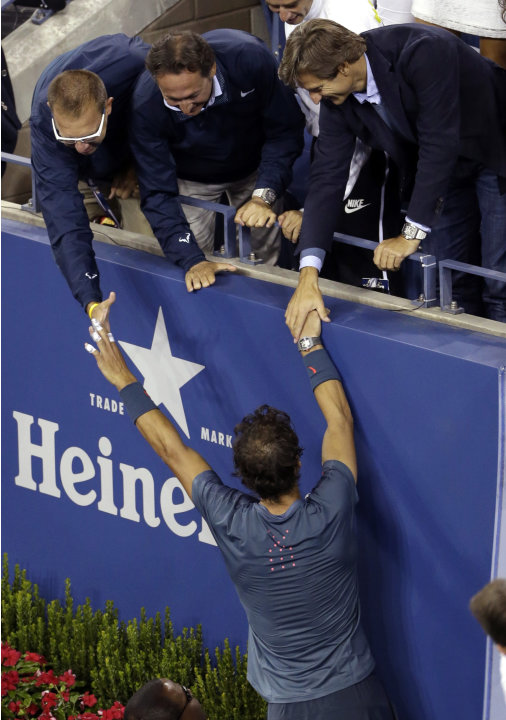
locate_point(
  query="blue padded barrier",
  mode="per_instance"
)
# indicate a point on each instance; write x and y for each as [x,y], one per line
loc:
[84,496]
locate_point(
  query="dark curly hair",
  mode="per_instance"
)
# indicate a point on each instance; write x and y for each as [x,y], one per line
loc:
[267,453]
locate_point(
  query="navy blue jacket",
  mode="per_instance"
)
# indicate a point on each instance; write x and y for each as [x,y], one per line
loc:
[448,105]
[117,60]
[255,124]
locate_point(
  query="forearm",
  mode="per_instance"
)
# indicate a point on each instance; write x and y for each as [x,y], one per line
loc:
[171,229]
[330,394]
[338,442]
[153,425]
[74,255]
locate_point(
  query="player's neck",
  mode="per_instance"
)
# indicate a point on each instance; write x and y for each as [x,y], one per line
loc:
[281,505]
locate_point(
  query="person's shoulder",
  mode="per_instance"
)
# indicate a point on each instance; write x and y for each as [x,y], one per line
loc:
[336,485]
[216,500]
[238,50]
[146,90]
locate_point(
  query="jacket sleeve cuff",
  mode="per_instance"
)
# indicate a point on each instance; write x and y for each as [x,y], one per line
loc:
[181,249]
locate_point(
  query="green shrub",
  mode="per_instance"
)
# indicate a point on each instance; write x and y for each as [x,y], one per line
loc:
[113,658]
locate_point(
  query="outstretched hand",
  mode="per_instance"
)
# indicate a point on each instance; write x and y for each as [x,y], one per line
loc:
[313,325]
[101,311]
[109,357]
[306,297]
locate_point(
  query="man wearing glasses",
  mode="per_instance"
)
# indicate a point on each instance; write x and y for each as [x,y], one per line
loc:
[210,116]
[163,699]
[79,133]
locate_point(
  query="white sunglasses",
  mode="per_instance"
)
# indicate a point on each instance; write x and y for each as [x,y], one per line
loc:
[84,139]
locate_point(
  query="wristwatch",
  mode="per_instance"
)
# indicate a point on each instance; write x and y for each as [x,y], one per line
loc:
[268,195]
[412,232]
[306,343]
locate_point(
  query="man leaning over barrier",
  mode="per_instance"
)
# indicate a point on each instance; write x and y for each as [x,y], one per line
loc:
[358,16]
[210,116]
[421,95]
[78,126]
[293,560]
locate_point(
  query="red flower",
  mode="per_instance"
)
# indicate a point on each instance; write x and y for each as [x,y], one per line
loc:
[35,657]
[9,655]
[32,709]
[10,680]
[68,678]
[48,700]
[65,695]
[88,700]
[115,712]
[46,678]
[14,706]
[87,716]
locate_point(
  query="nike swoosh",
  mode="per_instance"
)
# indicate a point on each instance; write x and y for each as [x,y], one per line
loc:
[247,92]
[352,210]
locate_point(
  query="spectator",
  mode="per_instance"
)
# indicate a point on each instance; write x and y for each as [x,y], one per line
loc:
[293,560]
[375,204]
[211,116]
[78,132]
[381,86]
[489,608]
[162,699]
[484,18]
[357,16]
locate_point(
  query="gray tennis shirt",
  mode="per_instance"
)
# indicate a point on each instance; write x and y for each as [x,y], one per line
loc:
[296,578]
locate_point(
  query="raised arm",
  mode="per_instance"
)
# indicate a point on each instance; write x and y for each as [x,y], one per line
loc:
[338,442]
[160,433]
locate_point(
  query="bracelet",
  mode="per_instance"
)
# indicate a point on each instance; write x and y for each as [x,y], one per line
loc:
[92,307]
[136,400]
[320,368]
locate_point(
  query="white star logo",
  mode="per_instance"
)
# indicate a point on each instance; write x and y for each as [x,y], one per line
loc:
[164,374]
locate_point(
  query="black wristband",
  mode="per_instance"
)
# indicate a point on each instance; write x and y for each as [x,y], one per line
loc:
[136,400]
[320,368]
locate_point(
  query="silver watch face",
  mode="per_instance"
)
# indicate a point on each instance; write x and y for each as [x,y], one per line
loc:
[266,194]
[306,343]
[411,232]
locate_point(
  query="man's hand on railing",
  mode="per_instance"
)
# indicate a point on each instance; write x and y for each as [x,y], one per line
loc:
[290,223]
[306,297]
[203,274]
[255,213]
[390,253]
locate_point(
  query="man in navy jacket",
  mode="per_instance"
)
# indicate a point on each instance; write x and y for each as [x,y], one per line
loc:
[211,116]
[439,110]
[90,111]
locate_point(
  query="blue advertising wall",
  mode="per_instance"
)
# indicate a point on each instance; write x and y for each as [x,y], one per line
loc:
[85,497]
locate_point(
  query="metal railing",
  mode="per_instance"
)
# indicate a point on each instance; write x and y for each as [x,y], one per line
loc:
[233,232]
[448,304]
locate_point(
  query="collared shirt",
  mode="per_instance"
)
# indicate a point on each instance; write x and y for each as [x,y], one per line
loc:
[311,257]
[216,91]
